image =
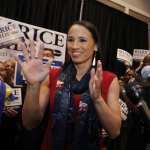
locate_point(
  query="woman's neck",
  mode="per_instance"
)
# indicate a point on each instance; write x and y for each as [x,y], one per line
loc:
[82,69]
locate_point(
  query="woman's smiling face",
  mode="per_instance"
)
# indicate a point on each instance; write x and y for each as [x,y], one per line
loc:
[80,44]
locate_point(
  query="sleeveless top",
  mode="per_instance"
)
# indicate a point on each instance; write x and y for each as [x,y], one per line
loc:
[54,75]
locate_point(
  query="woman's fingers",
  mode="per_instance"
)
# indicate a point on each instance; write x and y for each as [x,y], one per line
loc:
[99,69]
[39,50]
[25,50]
[36,50]
[92,78]
[32,49]
[95,81]
[96,75]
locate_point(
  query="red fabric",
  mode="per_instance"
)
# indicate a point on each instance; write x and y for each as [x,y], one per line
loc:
[53,76]
[107,79]
[77,100]
[47,142]
[54,73]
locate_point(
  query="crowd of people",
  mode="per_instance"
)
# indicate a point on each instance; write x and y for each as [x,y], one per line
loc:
[70,108]
[9,115]
[135,87]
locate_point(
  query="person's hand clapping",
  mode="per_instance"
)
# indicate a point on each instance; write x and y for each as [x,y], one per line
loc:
[33,68]
[95,82]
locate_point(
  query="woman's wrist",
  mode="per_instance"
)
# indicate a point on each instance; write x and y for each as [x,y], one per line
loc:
[98,100]
[33,86]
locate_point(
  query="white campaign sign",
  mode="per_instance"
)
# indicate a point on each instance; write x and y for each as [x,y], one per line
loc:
[125,56]
[139,54]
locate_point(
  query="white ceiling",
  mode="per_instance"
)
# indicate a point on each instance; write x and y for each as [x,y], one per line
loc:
[144,5]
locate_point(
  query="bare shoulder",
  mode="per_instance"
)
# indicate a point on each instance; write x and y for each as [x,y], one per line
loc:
[115,84]
[113,94]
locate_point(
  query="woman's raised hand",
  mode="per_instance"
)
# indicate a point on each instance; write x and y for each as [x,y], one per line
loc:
[33,68]
[95,81]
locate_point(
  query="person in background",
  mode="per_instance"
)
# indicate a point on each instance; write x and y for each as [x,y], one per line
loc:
[144,62]
[129,75]
[3,72]
[9,117]
[136,95]
[81,97]
[10,68]
[120,143]
[48,55]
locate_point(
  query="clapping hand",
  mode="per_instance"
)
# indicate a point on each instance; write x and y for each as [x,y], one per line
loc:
[95,81]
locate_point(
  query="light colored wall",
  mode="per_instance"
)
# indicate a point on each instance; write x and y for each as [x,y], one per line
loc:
[144,5]
[141,7]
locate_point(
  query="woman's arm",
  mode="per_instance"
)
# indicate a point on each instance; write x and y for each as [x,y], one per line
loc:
[109,113]
[35,104]
[37,76]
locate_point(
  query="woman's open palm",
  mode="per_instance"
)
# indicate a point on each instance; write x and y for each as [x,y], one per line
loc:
[34,70]
[32,67]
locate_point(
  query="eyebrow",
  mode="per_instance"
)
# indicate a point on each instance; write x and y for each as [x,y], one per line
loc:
[83,37]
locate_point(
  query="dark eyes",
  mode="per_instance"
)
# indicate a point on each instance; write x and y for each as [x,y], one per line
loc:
[83,40]
[69,39]
[79,40]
